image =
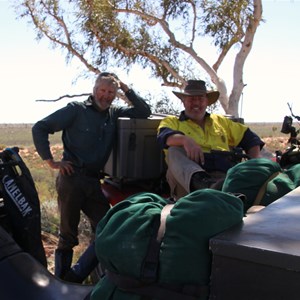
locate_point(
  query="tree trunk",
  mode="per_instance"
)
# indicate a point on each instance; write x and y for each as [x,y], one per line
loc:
[238,84]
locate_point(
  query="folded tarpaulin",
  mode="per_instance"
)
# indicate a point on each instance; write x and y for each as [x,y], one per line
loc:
[126,248]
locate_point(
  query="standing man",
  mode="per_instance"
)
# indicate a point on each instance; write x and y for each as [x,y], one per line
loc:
[189,139]
[88,133]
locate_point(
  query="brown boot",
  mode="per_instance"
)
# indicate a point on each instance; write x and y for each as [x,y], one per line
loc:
[201,180]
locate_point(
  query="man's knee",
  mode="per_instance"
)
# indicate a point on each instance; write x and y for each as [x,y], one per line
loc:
[175,151]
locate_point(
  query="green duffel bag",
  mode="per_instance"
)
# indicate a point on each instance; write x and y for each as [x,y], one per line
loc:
[151,248]
[281,184]
[261,180]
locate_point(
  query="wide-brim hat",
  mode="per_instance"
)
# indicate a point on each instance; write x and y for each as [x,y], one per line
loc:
[198,88]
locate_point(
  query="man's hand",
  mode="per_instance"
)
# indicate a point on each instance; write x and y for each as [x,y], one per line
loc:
[124,87]
[254,152]
[192,149]
[65,167]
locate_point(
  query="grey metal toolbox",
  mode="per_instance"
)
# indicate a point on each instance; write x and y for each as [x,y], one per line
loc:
[136,154]
[260,259]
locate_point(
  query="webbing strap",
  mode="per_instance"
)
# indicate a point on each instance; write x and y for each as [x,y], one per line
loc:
[163,219]
[263,189]
[147,285]
[154,290]
[149,266]
[151,261]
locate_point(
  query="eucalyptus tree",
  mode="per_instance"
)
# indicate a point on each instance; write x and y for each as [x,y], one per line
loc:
[164,36]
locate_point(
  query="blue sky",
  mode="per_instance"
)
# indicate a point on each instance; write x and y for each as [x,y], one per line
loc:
[31,70]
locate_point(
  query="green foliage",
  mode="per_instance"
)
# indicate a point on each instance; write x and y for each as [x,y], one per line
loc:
[163,106]
[226,21]
[159,35]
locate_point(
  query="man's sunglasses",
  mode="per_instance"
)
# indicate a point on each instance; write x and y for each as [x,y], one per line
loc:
[107,74]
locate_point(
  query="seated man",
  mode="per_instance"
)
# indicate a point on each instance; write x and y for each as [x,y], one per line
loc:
[187,141]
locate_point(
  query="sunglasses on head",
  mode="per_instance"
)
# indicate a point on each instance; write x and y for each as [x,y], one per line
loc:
[107,74]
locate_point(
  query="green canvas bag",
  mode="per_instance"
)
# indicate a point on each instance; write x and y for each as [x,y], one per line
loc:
[283,183]
[163,255]
[261,180]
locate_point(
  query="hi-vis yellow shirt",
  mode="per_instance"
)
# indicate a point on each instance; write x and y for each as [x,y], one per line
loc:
[220,133]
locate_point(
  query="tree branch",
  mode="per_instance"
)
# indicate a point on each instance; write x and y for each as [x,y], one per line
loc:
[52,37]
[61,97]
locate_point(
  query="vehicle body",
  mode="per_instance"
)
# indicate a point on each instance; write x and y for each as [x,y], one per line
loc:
[260,258]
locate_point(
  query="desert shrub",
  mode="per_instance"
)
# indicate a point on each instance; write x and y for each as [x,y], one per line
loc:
[50,217]
[266,129]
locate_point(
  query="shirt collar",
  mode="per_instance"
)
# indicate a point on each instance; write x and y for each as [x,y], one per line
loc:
[91,102]
[184,117]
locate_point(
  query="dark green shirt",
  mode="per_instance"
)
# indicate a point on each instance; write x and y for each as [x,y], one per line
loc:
[87,133]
